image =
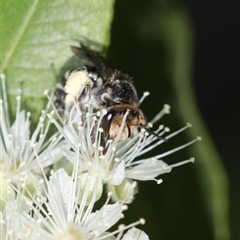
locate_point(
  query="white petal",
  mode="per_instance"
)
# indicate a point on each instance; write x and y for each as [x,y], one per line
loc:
[118,174]
[20,128]
[104,218]
[135,234]
[148,170]
[59,192]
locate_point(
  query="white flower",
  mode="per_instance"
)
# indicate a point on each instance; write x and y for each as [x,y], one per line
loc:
[118,163]
[63,207]
[65,212]
[19,150]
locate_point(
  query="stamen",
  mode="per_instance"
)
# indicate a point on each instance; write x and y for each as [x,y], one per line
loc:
[165,110]
[5,101]
[123,228]
[159,181]
[177,149]
[145,94]
[121,127]
[50,102]
[191,160]
[178,131]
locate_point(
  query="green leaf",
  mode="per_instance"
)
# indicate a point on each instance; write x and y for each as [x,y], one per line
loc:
[211,173]
[36,36]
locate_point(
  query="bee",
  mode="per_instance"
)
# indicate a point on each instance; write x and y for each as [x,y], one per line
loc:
[105,88]
[116,94]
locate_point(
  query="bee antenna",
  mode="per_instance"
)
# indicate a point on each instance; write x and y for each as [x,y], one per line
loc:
[150,131]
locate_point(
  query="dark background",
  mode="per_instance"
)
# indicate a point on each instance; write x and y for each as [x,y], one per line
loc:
[216,81]
[215,77]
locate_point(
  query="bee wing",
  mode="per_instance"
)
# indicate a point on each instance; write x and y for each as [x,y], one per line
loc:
[103,67]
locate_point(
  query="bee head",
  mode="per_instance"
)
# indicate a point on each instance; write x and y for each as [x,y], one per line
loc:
[112,121]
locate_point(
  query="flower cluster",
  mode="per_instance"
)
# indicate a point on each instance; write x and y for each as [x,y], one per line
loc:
[50,185]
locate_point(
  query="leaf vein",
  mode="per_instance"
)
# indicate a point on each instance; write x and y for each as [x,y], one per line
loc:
[21,31]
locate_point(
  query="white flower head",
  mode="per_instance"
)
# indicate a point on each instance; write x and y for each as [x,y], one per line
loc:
[19,150]
[117,163]
[65,212]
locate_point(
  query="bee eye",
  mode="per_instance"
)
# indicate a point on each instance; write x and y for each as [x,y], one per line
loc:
[109,116]
[106,122]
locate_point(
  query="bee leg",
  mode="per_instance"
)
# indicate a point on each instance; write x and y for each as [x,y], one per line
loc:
[150,131]
[59,101]
[84,97]
[105,149]
[129,130]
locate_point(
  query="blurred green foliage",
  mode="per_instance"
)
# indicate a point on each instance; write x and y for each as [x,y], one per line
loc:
[153,41]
